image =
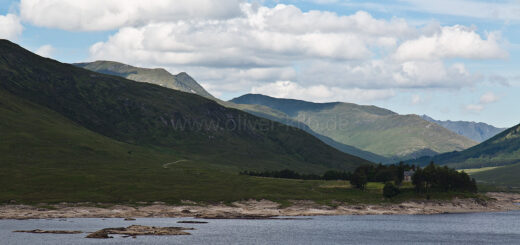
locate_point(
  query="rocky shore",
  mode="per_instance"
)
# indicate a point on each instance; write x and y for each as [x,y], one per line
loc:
[262,209]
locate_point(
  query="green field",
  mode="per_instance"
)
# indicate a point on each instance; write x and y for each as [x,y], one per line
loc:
[147,181]
[471,171]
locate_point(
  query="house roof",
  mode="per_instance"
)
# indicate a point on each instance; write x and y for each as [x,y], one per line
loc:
[409,173]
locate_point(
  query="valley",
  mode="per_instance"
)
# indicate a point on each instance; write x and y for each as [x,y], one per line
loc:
[93,132]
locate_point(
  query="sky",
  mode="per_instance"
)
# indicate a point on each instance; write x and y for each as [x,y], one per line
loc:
[448,59]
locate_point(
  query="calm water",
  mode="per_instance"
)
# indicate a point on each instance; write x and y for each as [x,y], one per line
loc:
[479,228]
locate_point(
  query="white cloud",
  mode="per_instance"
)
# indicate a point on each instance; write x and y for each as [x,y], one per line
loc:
[485,99]
[488,98]
[10,27]
[324,1]
[351,53]
[474,108]
[45,51]
[263,37]
[452,42]
[499,79]
[416,99]
[387,73]
[328,49]
[91,15]
[503,10]
[321,93]
[236,80]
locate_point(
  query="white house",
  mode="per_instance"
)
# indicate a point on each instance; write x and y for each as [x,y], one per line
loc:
[408,175]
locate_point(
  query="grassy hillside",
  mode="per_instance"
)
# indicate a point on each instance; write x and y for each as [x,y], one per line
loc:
[327,140]
[503,149]
[182,81]
[163,78]
[369,128]
[149,115]
[48,158]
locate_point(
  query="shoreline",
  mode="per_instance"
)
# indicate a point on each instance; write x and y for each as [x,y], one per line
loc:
[263,209]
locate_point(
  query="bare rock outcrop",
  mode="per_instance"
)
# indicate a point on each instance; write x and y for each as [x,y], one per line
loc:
[140,230]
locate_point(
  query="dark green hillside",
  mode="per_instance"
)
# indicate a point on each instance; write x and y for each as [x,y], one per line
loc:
[368,128]
[503,149]
[184,82]
[45,157]
[149,115]
[501,176]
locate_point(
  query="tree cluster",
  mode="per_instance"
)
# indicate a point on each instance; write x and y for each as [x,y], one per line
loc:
[390,190]
[445,179]
[379,173]
[429,178]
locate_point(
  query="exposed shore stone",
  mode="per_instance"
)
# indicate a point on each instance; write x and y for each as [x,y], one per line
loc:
[264,209]
[140,230]
[38,231]
[191,222]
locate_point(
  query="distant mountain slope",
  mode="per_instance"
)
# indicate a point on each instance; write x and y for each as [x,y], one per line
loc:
[369,128]
[327,140]
[163,78]
[476,131]
[502,149]
[149,115]
[182,81]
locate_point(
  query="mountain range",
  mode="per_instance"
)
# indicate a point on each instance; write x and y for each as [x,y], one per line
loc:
[476,131]
[148,115]
[163,78]
[369,128]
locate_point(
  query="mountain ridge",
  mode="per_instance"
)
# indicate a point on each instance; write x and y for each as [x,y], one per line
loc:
[160,76]
[368,128]
[477,131]
[120,69]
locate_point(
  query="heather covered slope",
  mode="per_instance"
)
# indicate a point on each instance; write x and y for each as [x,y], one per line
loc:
[149,115]
[369,128]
